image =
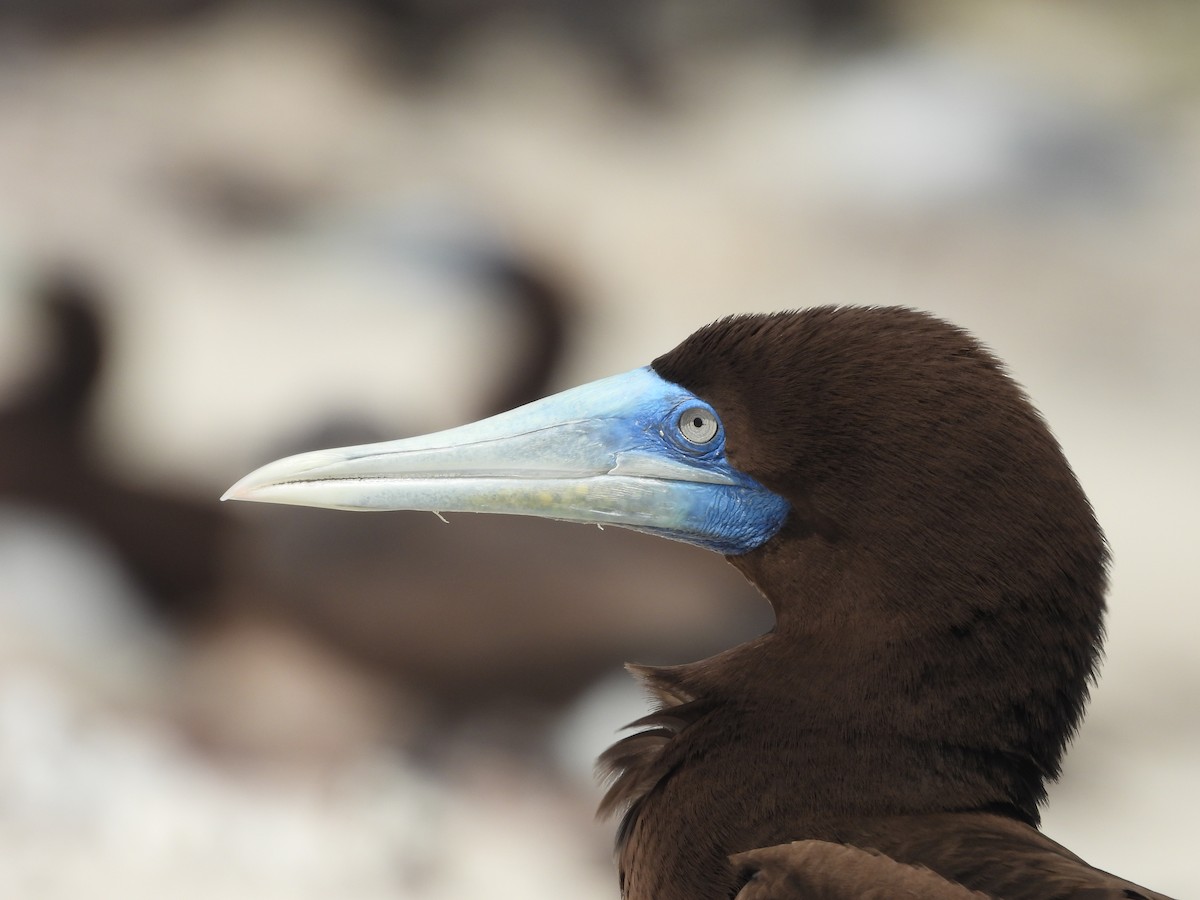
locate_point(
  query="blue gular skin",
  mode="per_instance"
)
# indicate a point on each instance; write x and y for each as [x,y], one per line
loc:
[632,450]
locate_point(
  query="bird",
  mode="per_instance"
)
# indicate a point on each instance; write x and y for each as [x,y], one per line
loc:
[169,542]
[937,577]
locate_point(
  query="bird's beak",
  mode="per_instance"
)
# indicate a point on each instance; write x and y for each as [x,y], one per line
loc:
[598,454]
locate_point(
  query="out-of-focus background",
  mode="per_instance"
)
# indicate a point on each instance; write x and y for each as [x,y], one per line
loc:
[233,230]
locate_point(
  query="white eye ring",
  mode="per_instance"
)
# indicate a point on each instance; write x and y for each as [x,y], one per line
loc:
[698,425]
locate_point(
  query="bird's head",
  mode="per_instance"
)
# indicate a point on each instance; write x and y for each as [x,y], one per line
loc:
[900,445]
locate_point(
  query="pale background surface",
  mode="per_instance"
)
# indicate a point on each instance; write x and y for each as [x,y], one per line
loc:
[1030,171]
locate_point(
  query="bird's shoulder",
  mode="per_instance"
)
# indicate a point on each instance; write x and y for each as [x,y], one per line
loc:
[821,870]
[943,857]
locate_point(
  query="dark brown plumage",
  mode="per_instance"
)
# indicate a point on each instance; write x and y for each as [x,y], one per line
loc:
[820,870]
[938,590]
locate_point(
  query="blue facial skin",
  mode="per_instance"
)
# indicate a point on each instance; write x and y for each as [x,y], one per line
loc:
[739,519]
[731,514]
[732,520]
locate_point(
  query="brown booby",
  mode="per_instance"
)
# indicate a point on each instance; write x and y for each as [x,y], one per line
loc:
[937,577]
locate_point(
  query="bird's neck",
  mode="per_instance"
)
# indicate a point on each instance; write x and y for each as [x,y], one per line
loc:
[779,740]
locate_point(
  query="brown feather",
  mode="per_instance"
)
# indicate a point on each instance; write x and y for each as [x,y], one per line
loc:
[819,870]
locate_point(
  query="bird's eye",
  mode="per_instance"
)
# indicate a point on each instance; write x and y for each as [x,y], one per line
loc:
[698,425]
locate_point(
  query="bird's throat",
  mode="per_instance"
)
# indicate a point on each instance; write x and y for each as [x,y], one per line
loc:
[782,738]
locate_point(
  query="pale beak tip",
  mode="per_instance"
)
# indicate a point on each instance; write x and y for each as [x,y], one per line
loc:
[232,494]
[243,489]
